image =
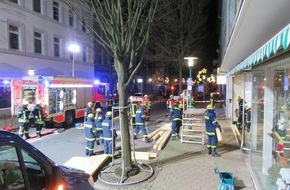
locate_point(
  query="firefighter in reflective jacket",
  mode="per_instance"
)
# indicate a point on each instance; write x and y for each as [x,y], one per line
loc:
[169,104]
[38,116]
[211,124]
[133,110]
[90,130]
[248,118]
[140,123]
[180,101]
[99,118]
[88,110]
[109,134]
[175,116]
[147,106]
[23,120]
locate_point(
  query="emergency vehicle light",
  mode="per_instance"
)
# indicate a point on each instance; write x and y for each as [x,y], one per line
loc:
[71,86]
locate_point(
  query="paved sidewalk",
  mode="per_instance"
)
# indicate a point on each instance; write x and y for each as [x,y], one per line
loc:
[187,166]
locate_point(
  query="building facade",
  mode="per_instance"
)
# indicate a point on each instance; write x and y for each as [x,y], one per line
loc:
[255,55]
[35,35]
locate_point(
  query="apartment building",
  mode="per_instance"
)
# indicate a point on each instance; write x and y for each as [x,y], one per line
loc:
[35,36]
[255,55]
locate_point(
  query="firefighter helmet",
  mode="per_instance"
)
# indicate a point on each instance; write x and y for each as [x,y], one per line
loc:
[145,96]
[91,115]
[98,110]
[90,103]
[109,114]
[238,98]
[24,102]
[171,96]
[210,107]
[38,102]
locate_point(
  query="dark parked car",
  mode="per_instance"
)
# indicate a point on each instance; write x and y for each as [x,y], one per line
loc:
[23,167]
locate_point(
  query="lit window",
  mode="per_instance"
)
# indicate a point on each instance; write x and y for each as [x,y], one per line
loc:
[14,37]
[56,11]
[71,19]
[38,42]
[56,44]
[37,6]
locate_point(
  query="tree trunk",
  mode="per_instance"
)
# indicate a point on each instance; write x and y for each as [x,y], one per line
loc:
[124,128]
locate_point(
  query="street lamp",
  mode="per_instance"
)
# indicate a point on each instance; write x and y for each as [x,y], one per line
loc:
[31,72]
[190,64]
[74,48]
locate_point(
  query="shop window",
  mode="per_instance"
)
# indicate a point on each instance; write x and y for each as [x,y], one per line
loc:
[5,97]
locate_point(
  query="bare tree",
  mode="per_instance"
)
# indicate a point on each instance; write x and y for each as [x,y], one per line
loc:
[178,31]
[123,30]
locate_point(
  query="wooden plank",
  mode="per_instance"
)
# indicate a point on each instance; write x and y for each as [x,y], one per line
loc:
[159,134]
[159,140]
[88,164]
[278,137]
[237,133]
[155,132]
[218,134]
[164,140]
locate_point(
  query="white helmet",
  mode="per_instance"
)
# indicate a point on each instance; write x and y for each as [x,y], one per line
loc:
[24,102]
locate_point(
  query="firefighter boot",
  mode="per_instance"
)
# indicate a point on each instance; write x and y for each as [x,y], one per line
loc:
[135,137]
[214,153]
[209,150]
[38,134]
[147,140]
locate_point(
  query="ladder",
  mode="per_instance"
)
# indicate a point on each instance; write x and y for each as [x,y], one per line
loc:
[193,126]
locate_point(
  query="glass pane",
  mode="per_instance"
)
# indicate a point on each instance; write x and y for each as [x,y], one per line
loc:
[37,46]
[14,41]
[5,97]
[37,5]
[55,11]
[11,176]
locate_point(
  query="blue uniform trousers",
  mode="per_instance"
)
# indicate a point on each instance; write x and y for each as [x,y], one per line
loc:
[108,147]
[212,141]
[90,146]
[142,129]
[175,128]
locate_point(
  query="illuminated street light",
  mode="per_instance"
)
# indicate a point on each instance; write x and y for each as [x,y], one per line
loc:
[74,48]
[190,64]
[31,72]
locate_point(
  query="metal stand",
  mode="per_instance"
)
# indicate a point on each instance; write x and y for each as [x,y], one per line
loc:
[105,175]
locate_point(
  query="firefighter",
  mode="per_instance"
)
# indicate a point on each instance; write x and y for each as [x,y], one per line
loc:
[39,119]
[211,124]
[133,110]
[180,102]
[190,101]
[147,106]
[241,111]
[140,123]
[99,118]
[23,120]
[88,110]
[248,118]
[109,134]
[169,104]
[90,130]
[176,117]
[212,100]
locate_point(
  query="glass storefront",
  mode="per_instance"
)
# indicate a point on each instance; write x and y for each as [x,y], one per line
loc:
[270,131]
[5,94]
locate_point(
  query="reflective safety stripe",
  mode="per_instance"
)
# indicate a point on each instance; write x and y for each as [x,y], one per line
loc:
[177,119]
[89,148]
[90,139]
[145,136]
[105,124]
[99,129]
[206,117]
[139,123]
[108,139]
[210,133]
[88,126]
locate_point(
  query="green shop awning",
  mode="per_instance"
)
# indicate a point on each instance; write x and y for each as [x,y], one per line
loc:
[281,40]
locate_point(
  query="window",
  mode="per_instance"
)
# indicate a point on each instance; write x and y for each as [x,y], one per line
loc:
[56,44]
[71,19]
[38,42]
[14,35]
[85,55]
[56,11]
[5,95]
[37,6]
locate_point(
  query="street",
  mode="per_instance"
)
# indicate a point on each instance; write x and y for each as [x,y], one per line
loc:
[63,144]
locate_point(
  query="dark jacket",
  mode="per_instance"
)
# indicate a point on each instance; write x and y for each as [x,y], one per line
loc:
[140,116]
[90,129]
[175,113]
[23,115]
[210,122]
[108,129]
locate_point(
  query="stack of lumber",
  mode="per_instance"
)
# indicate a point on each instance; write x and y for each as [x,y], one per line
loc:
[161,136]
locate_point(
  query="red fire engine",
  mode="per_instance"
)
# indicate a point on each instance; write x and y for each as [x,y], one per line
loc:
[64,98]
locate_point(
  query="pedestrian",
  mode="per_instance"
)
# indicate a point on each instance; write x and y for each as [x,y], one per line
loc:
[88,110]
[140,123]
[169,104]
[211,124]
[90,130]
[176,117]
[99,118]
[109,134]
[23,120]
[39,119]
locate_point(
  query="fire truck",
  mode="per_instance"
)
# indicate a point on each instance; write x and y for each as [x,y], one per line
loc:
[63,98]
